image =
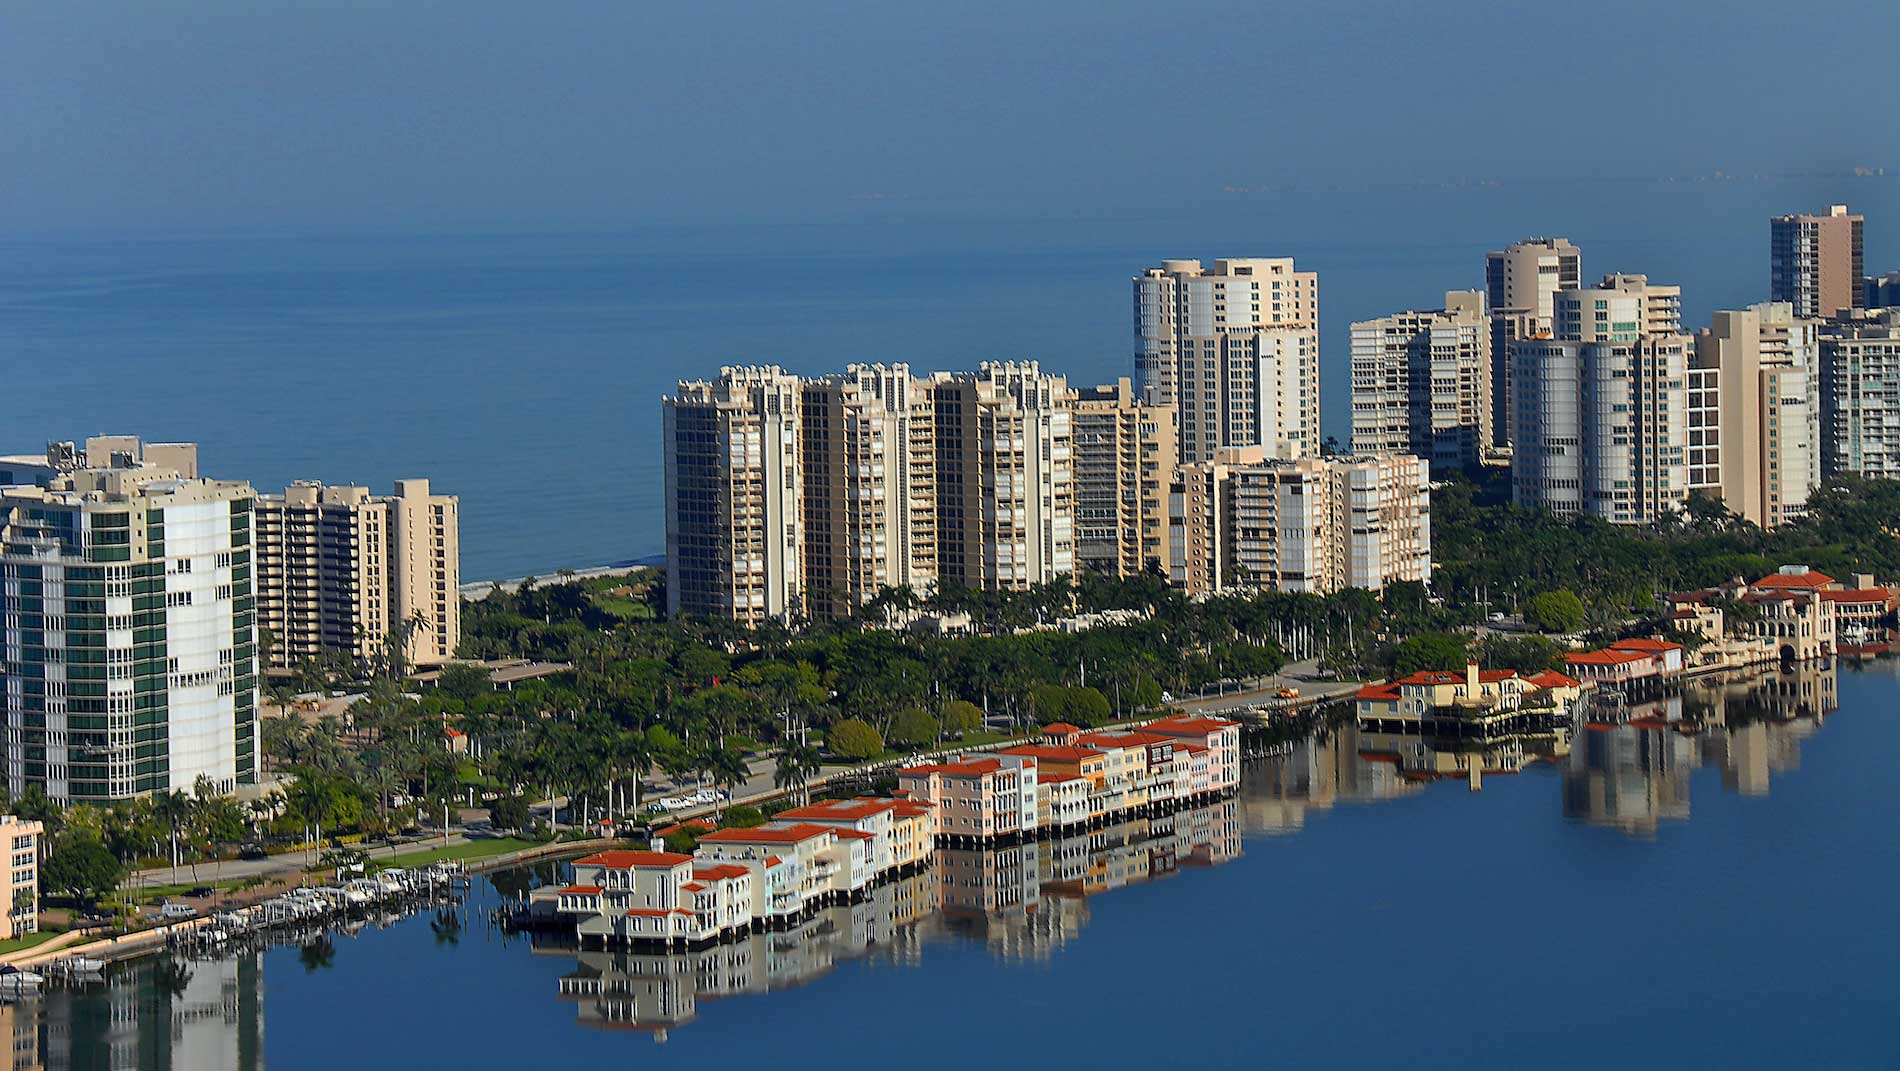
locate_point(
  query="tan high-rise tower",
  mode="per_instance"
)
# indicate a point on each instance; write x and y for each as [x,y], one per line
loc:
[735,496]
[870,477]
[1815,262]
[342,570]
[1124,459]
[1005,476]
[1754,434]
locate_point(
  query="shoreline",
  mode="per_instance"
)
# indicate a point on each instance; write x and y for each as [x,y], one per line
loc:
[476,590]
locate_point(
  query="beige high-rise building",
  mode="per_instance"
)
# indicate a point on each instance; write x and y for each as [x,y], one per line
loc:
[1421,383]
[1005,476]
[1860,386]
[735,496]
[1235,350]
[1521,284]
[1754,434]
[1815,263]
[340,570]
[1601,410]
[1319,524]
[1124,460]
[128,646]
[870,477]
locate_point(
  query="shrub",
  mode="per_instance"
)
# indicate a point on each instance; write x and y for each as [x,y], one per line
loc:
[913,728]
[961,716]
[855,740]
[1554,611]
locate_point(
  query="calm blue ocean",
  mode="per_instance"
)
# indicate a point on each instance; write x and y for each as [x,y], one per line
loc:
[523,371]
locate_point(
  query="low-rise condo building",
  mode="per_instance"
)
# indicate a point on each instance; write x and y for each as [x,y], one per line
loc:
[23,838]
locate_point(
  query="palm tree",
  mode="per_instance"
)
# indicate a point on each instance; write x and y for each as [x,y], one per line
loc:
[174,810]
[796,765]
[728,769]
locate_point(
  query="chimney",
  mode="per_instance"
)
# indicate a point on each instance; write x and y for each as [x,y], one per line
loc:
[1471,678]
[1863,581]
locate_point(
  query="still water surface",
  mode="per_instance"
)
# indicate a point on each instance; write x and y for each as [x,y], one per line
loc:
[1710,886]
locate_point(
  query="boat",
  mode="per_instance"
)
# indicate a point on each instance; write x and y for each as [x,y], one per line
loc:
[15,982]
[362,891]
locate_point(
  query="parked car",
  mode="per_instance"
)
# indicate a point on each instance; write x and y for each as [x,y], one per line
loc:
[177,911]
[1289,693]
[253,850]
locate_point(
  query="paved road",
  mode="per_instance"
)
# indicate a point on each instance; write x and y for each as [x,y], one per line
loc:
[1261,690]
[285,865]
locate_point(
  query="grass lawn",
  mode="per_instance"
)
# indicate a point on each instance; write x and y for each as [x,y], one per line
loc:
[29,941]
[474,849]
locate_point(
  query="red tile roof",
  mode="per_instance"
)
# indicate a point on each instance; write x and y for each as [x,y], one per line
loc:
[1377,691]
[1190,722]
[768,835]
[1446,676]
[1054,753]
[693,886]
[1605,658]
[1056,778]
[1060,728]
[1859,595]
[1641,643]
[716,873]
[622,860]
[838,810]
[1123,738]
[581,890]
[1811,579]
[1550,678]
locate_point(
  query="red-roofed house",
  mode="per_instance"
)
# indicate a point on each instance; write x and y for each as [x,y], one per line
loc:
[1613,667]
[978,800]
[1671,654]
[1219,736]
[812,862]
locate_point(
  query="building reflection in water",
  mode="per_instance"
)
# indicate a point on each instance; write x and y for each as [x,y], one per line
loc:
[156,1014]
[1629,771]
[1632,771]
[1022,901]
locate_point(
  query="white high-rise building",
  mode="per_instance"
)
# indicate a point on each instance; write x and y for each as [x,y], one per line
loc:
[1235,349]
[128,645]
[1521,284]
[1421,383]
[1601,409]
[1245,521]
[1860,394]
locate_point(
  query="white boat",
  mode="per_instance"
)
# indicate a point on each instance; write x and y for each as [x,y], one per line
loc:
[16,982]
[363,891]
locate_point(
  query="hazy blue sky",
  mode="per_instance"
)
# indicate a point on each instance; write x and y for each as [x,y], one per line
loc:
[216,113]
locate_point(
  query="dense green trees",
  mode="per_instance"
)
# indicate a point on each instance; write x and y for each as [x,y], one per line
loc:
[1429,650]
[80,866]
[1554,611]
